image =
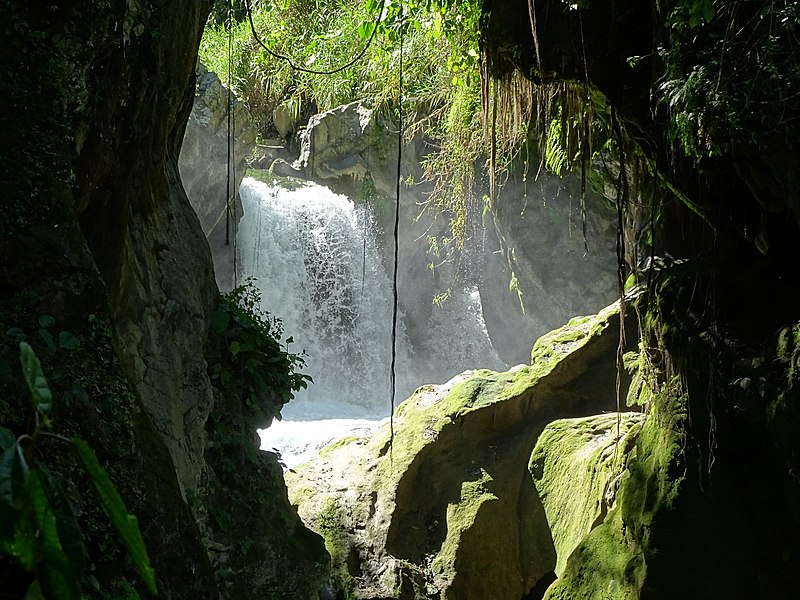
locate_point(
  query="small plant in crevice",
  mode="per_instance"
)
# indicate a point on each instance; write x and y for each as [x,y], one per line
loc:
[39,530]
[248,356]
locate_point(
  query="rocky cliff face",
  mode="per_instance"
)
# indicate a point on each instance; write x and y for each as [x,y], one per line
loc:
[117,243]
[103,240]
[545,271]
[204,168]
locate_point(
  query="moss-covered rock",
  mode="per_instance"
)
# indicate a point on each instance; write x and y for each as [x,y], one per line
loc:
[610,561]
[577,465]
[440,504]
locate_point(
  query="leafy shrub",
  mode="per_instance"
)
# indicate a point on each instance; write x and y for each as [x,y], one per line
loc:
[733,72]
[247,356]
[440,41]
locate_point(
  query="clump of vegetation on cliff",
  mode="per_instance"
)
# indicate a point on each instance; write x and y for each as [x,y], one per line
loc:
[431,46]
[243,493]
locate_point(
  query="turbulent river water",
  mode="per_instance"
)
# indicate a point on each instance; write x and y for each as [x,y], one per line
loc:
[316,259]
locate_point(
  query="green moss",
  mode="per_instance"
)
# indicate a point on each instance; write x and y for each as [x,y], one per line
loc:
[460,517]
[337,444]
[575,464]
[611,560]
[328,523]
[549,349]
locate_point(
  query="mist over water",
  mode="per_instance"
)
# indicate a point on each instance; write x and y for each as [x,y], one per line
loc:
[315,257]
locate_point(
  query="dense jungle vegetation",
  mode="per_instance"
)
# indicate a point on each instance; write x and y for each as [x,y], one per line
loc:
[685,113]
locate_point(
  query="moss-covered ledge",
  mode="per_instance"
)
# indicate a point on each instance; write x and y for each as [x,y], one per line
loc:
[447,508]
[577,466]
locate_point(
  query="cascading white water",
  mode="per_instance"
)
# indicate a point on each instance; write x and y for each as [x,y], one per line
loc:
[315,259]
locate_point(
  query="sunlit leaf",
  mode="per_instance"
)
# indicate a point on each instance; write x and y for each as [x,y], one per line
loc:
[365,30]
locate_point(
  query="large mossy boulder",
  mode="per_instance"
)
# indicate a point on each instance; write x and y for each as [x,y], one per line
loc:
[439,503]
[577,466]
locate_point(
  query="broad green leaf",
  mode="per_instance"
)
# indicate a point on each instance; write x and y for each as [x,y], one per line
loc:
[9,515]
[46,321]
[23,545]
[365,29]
[68,341]
[68,531]
[37,384]
[7,438]
[34,592]
[47,337]
[126,525]
[16,334]
[60,579]
[708,11]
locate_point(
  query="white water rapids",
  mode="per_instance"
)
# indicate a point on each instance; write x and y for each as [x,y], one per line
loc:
[315,258]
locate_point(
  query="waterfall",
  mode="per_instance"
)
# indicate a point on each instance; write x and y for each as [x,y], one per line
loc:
[315,257]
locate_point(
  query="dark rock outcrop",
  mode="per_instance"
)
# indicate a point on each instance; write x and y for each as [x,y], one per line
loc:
[99,236]
[117,243]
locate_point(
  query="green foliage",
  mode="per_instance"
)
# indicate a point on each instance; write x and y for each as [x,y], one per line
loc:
[440,96]
[247,355]
[38,527]
[254,375]
[126,525]
[555,157]
[438,50]
[453,168]
[329,525]
[37,384]
[733,72]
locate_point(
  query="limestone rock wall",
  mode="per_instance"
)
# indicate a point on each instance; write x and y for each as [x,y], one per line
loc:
[110,248]
[577,466]
[203,166]
[351,143]
[543,273]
